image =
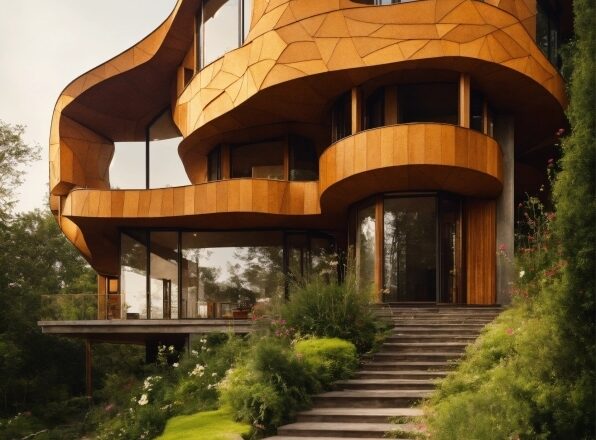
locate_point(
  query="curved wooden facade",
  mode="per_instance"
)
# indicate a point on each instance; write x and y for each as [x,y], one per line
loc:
[298,57]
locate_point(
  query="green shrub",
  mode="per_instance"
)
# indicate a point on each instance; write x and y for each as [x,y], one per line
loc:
[327,308]
[269,386]
[211,425]
[330,359]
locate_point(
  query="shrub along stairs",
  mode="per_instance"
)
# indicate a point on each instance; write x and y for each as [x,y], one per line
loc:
[426,341]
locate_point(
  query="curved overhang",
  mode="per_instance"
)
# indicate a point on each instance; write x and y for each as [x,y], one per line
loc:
[293,70]
[410,157]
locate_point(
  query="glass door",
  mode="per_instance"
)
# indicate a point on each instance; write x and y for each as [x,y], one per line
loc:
[410,248]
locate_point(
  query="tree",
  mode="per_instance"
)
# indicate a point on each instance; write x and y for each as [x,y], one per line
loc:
[14,154]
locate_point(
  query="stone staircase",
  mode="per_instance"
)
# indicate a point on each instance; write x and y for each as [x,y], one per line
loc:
[424,344]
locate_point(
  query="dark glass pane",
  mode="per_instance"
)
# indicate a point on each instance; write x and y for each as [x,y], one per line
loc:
[365,245]
[220,30]
[163,281]
[341,117]
[228,274]
[477,111]
[304,164]
[410,248]
[323,260]
[437,102]
[214,164]
[374,109]
[263,160]
[133,274]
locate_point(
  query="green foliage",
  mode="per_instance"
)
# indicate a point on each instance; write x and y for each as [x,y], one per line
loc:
[328,308]
[267,387]
[331,359]
[531,374]
[212,425]
[14,153]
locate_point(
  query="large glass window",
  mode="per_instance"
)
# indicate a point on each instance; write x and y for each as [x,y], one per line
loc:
[304,164]
[214,164]
[222,26]
[133,274]
[163,280]
[433,102]
[477,111]
[547,30]
[127,168]
[374,109]
[410,264]
[365,244]
[261,160]
[341,117]
[228,274]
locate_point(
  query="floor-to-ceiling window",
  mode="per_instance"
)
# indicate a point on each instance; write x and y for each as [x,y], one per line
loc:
[408,246]
[218,275]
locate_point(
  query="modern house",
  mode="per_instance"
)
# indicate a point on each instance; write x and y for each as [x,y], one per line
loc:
[401,132]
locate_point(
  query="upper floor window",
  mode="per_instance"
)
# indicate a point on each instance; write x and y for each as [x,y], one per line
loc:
[433,102]
[261,160]
[222,25]
[374,109]
[341,117]
[547,30]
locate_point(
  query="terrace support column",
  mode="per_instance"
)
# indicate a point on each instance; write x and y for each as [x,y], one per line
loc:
[356,96]
[88,369]
[464,100]
[504,134]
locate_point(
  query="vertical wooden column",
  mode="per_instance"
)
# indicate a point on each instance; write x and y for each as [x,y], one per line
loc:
[225,161]
[464,100]
[356,110]
[485,117]
[102,294]
[88,368]
[481,251]
[379,247]
[391,110]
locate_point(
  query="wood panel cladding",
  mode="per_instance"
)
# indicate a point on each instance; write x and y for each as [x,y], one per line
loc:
[481,250]
[409,157]
[296,39]
[236,195]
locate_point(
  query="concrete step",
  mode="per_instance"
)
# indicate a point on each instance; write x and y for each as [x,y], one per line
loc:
[441,321]
[386,384]
[354,430]
[435,330]
[378,365]
[356,415]
[468,339]
[435,324]
[415,374]
[370,398]
[421,356]
[293,437]
[410,347]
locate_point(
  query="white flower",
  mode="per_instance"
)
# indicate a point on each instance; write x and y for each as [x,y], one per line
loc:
[214,374]
[522,273]
[144,400]
[171,349]
[175,365]
[210,386]
[199,370]
[194,352]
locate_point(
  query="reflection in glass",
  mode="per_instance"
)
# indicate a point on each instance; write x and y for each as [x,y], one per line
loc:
[261,160]
[304,164]
[449,224]
[133,274]
[163,282]
[547,30]
[214,164]
[225,275]
[410,248]
[365,245]
[433,102]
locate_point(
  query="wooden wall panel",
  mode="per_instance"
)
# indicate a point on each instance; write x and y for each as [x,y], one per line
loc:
[481,250]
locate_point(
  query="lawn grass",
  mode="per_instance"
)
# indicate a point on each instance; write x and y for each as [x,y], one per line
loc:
[212,425]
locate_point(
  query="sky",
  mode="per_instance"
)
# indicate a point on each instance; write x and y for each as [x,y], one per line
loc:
[45,44]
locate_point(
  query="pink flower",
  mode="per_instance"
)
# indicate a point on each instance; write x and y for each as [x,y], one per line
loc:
[560,132]
[509,331]
[502,247]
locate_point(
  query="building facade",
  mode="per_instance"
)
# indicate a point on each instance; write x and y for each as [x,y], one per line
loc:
[401,133]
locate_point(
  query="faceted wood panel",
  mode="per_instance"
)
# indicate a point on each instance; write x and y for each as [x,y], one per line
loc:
[294,39]
[481,250]
[409,157]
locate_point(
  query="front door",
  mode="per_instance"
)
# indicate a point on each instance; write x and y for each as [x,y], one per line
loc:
[410,248]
